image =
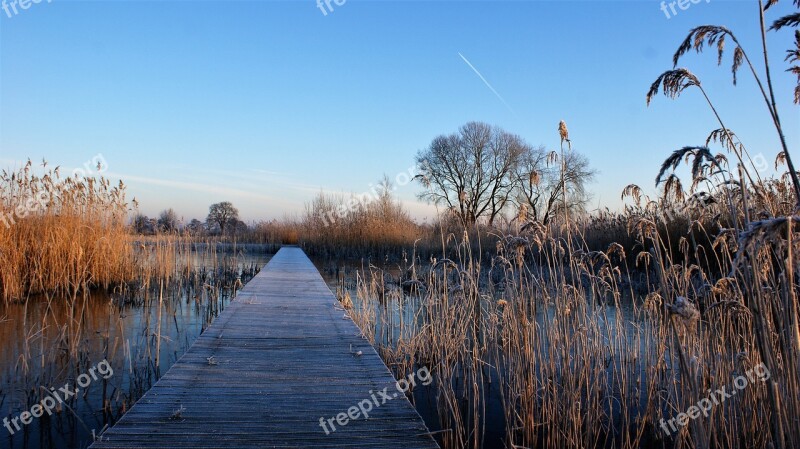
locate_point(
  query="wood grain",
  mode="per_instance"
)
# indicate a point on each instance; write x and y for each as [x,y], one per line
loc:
[283,357]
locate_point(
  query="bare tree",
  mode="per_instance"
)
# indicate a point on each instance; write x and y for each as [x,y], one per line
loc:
[141,224]
[471,172]
[223,215]
[385,211]
[195,227]
[168,221]
[540,186]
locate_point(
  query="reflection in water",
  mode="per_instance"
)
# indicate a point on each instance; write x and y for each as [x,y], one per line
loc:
[48,343]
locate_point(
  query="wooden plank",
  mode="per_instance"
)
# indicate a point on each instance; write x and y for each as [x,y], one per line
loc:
[283,357]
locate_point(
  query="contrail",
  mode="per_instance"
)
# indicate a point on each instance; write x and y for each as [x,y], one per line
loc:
[486,82]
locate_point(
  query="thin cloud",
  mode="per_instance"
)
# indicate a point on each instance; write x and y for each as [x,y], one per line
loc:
[191,186]
[251,178]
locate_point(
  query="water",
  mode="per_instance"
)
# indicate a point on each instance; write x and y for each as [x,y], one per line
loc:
[399,309]
[50,348]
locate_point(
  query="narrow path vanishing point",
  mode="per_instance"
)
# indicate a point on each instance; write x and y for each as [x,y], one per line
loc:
[281,361]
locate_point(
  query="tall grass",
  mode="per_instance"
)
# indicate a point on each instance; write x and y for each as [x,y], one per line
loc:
[140,327]
[593,330]
[61,235]
[579,360]
[339,226]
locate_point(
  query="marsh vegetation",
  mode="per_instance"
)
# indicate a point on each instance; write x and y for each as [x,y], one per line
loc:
[543,325]
[599,330]
[78,288]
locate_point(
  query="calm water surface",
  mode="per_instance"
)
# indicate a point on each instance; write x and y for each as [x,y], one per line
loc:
[53,344]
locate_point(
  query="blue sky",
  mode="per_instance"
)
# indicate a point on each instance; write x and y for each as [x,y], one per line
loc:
[265,103]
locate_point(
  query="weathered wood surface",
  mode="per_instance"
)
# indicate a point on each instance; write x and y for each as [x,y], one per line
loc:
[281,361]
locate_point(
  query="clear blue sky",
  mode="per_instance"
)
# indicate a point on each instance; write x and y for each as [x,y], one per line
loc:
[264,103]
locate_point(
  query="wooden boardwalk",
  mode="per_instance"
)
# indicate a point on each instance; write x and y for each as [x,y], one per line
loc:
[281,361]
